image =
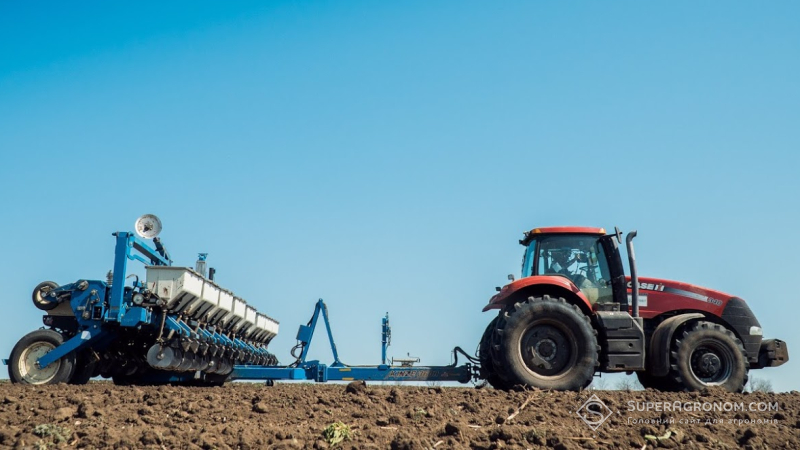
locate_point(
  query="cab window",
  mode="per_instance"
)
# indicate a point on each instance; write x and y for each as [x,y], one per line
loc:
[580,258]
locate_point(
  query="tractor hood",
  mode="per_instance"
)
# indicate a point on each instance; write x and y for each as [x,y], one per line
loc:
[657,295]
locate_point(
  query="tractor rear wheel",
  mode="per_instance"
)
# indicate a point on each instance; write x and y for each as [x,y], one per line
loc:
[708,354]
[546,343]
[23,366]
[487,370]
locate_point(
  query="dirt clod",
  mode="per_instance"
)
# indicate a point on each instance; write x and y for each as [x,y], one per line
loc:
[394,396]
[62,414]
[451,429]
[356,387]
[261,408]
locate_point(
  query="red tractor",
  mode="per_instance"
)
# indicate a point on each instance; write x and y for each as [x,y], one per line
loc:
[574,313]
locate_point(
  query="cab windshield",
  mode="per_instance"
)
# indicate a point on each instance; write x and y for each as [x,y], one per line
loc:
[578,257]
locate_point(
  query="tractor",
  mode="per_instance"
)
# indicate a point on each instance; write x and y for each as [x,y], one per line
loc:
[574,313]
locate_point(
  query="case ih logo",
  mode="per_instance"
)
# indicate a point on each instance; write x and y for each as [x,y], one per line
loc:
[594,412]
[648,286]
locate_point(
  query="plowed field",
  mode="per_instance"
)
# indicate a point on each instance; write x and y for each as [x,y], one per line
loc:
[288,416]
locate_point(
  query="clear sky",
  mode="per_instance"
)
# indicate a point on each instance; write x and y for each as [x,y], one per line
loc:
[386,156]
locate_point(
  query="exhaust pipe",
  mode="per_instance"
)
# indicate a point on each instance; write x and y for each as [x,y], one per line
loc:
[634,276]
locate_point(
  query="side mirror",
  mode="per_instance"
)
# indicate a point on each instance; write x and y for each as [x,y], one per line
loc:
[618,233]
[511,277]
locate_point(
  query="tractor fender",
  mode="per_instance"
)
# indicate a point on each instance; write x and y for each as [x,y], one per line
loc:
[661,340]
[554,285]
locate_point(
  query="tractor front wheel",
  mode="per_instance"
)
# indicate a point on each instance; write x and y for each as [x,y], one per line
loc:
[24,368]
[546,343]
[708,354]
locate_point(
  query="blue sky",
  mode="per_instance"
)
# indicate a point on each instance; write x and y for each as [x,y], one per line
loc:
[387,156]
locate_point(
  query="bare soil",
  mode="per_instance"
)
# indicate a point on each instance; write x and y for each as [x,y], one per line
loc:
[289,416]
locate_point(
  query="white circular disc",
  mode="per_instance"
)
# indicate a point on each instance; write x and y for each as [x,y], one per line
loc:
[148,226]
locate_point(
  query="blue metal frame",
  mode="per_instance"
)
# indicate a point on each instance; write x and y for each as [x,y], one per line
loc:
[97,305]
[338,371]
[306,333]
[124,251]
[386,337]
[88,299]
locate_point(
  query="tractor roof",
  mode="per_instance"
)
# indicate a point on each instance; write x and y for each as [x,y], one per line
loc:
[529,235]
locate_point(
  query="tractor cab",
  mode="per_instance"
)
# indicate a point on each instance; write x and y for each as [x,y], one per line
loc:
[587,257]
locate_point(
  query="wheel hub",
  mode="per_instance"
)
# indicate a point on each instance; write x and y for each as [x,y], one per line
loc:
[29,364]
[546,350]
[711,365]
